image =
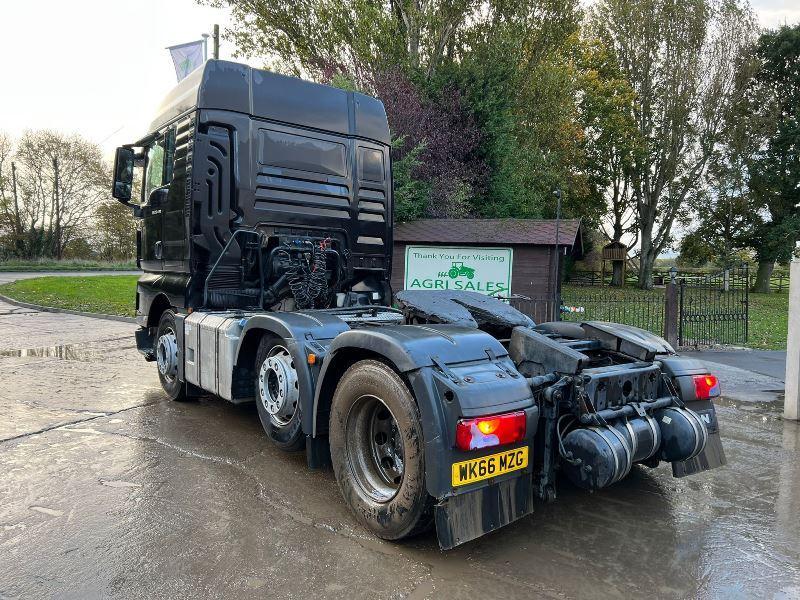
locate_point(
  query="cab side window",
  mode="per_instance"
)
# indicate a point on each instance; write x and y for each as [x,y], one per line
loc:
[160,158]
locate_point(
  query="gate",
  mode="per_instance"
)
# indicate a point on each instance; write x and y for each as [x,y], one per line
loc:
[713,308]
[691,310]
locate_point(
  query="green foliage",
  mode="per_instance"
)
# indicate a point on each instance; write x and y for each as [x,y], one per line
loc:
[774,165]
[695,251]
[638,113]
[510,60]
[612,143]
[115,237]
[411,195]
[71,264]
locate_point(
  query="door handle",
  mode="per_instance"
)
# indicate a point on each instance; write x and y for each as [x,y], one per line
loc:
[158,249]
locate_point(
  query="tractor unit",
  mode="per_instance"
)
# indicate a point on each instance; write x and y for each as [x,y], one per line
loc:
[265,242]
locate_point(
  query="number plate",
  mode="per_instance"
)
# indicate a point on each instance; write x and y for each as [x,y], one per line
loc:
[478,469]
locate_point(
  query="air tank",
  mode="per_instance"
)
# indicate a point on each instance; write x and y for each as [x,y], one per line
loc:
[603,455]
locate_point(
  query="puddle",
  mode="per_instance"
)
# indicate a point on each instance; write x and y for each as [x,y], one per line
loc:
[772,408]
[63,352]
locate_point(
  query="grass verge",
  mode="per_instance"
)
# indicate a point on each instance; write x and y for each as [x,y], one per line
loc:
[16,265]
[106,294]
[116,295]
[768,322]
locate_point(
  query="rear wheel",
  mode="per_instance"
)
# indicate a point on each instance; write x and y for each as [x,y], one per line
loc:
[277,393]
[167,357]
[377,451]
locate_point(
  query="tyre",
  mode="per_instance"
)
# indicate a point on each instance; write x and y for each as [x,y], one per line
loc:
[453,273]
[277,394]
[377,451]
[167,357]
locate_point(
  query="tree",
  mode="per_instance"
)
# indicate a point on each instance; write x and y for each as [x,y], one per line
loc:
[306,37]
[774,166]
[485,85]
[680,57]
[612,143]
[59,181]
[115,227]
[10,224]
[517,74]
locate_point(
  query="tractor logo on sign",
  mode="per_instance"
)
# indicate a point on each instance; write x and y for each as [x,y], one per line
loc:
[459,269]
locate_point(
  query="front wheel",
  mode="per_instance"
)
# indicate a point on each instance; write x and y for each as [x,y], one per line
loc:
[377,451]
[167,357]
[277,392]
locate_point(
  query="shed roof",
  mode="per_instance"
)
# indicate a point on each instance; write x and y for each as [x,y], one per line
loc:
[536,232]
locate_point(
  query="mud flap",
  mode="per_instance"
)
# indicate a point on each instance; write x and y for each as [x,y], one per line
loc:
[711,457]
[144,343]
[465,517]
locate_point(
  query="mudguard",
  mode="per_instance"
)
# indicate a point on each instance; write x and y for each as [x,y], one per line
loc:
[627,339]
[453,372]
[175,286]
[680,370]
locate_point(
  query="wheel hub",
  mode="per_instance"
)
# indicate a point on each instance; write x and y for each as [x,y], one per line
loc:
[375,448]
[167,354]
[278,387]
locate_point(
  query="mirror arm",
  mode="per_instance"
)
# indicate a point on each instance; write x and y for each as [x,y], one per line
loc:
[137,210]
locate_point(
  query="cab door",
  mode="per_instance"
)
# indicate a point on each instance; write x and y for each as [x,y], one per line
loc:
[174,210]
[151,251]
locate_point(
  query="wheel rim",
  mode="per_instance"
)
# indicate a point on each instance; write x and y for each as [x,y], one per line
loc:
[167,355]
[278,387]
[375,448]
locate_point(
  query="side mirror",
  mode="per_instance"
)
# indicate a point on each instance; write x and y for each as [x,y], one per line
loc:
[123,174]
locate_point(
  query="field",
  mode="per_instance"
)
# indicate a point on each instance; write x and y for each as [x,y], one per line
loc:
[115,295]
[769,321]
[106,294]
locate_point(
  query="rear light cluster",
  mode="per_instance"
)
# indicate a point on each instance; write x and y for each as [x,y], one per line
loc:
[485,432]
[706,386]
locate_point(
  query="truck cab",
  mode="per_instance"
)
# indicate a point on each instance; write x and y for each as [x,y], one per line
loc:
[265,244]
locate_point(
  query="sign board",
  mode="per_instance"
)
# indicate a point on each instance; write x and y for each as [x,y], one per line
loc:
[484,270]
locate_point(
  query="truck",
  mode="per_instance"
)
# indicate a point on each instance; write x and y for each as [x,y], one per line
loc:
[265,242]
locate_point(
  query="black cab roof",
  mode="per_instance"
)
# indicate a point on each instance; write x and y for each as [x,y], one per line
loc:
[225,85]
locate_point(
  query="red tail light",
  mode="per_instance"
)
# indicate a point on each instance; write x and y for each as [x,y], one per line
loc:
[496,430]
[706,386]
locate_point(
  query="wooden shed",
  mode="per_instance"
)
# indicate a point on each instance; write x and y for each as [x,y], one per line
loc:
[452,253]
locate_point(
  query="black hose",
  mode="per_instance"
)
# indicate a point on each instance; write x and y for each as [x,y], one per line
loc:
[629,410]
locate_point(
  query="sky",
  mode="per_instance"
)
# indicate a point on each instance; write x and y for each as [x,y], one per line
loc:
[95,67]
[100,68]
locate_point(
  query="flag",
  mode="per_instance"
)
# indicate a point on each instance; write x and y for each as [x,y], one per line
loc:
[187,57]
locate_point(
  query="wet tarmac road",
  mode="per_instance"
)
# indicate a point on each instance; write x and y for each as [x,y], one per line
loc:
[107,489]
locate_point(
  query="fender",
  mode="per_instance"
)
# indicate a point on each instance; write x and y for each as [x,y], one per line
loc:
[434,360]
[303,333]
[174,286]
